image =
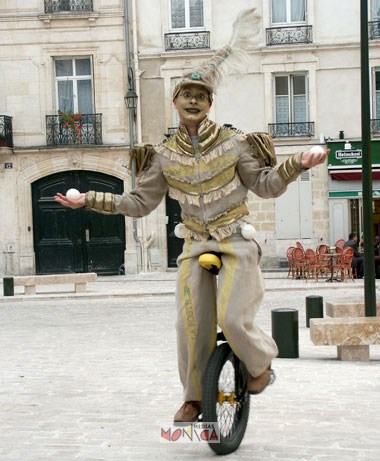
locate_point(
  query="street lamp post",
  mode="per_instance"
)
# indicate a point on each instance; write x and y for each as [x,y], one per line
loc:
[131,103]
[130,100]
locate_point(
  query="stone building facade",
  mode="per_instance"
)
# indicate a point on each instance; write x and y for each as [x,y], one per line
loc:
[301,83]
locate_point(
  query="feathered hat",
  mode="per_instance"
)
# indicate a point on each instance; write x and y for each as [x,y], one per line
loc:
[232,57]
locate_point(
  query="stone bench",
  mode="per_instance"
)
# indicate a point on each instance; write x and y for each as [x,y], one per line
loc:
[351,335]
[29,282]
[344,309]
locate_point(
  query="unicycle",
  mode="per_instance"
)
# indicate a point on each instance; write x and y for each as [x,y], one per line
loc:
[225,399]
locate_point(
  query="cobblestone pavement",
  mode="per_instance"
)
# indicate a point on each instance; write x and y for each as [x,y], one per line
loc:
[94,377]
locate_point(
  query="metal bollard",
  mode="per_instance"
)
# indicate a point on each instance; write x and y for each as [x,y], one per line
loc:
[285,332]
[314,308]
[8,286]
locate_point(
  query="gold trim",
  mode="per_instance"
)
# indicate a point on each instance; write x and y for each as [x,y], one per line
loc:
[228,218]
[206,186]
[101,202]
[291,168]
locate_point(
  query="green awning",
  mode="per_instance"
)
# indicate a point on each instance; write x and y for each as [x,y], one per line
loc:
[352,194]
[339,157]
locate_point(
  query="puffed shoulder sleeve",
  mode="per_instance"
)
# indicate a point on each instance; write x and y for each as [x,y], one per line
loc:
[263,147]
[142,155]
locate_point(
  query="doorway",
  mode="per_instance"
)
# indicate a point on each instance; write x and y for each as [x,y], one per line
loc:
[67,241]
[175,244]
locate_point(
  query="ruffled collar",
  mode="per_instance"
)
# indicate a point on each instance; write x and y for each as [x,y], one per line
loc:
[209,136]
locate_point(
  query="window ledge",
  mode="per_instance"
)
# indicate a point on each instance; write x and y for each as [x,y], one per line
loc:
[89,15]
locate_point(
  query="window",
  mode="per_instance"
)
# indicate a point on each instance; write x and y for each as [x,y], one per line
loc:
[290,99]
[376,110]
[186,14]
[375,10]
[74,87]
[288,11]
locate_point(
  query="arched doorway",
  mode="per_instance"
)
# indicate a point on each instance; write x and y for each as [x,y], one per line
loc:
[66,240]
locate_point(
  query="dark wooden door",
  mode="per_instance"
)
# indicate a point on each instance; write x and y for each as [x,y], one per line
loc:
[173,213]
[66,240]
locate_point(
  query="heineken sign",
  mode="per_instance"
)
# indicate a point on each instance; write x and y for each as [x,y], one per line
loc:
[339,157]
[348,157]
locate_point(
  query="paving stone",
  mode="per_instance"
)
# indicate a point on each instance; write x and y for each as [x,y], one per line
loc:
[94,378]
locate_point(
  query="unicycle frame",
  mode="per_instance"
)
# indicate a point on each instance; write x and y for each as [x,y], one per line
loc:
[225,398]
[221,404]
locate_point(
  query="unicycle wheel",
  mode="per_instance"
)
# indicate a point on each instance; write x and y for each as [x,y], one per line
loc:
[225,398]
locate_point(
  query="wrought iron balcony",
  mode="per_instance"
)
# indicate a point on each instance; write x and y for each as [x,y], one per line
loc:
[373,30]
[187,41]
[6,132]
[289,35]
[281,130]
[57,6]
[77,129]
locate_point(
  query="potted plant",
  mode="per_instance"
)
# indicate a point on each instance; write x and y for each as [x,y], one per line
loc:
[71,122]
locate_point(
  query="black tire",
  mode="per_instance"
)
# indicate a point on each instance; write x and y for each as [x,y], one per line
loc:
[225,398]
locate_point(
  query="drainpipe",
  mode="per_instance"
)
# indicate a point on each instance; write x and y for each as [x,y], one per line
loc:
[137,72]
[132,113]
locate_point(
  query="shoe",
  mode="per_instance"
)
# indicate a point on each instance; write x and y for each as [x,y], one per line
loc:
[188,413]
[258,384]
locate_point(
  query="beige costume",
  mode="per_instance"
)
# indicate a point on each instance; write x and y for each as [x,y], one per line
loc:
[211,182]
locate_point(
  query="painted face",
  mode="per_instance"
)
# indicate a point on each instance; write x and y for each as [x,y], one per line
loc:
[192,104]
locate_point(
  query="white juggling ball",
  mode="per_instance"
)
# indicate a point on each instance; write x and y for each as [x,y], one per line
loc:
[73,194]
[317,150]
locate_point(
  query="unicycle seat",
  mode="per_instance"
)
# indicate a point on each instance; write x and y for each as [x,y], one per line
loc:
[211,261]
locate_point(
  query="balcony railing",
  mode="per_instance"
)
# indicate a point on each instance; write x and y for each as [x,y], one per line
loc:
[281,130]
[57,6]
[373,30]
[289,35]
[6,132]
[84,129]
[187,41]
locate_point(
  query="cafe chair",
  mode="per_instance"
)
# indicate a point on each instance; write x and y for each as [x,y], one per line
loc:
[340,243]
[290,258]
[343,265]
[299,263]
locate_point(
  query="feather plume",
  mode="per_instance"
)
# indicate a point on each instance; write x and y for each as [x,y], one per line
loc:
[233,57]
[245,30]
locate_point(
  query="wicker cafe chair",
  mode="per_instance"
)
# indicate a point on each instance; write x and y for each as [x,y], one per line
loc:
[343,264]
[324,262]
[322,249]
[299,263]
[340,243]
[311,263]
[299,245]
[318,265]
[289,257]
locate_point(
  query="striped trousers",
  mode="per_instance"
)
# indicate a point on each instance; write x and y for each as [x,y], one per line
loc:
[232,303]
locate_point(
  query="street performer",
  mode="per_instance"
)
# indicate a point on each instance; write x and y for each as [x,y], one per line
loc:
[209,169]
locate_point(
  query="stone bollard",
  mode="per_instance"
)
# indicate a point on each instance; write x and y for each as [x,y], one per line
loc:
[8,286]
[285,332]
[314,308]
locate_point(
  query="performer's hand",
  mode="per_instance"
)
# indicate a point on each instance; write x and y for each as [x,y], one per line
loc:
[63,200]
[309,160]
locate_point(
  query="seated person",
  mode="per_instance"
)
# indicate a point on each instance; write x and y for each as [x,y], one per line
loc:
[358,259]
[376,251]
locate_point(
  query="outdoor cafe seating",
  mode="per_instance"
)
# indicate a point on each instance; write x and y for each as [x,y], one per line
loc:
[323,262]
